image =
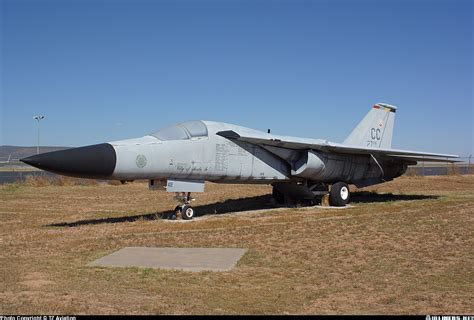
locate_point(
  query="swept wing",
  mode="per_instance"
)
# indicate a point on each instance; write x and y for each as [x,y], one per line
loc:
[294,143]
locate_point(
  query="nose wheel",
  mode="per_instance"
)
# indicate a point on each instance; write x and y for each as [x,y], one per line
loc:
[184,209]
[187,213]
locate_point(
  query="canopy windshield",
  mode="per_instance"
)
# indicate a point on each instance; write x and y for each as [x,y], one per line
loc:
[182,131]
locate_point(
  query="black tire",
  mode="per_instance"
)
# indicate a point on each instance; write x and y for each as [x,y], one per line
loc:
[278,196]
[187,213]
[339,195]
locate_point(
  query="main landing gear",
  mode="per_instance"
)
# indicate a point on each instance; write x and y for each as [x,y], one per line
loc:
[184,209]
[339,195]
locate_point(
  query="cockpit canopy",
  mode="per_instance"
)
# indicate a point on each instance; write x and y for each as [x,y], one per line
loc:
[182,131]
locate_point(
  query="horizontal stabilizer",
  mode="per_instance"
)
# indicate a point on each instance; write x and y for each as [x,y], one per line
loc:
[422,159]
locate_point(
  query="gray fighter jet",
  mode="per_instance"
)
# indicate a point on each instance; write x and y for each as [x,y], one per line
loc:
[185,155]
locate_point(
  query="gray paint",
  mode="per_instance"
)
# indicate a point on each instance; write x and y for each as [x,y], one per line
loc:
[221,152]
[175,185]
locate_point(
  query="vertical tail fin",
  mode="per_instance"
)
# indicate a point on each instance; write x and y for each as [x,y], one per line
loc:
[375,130]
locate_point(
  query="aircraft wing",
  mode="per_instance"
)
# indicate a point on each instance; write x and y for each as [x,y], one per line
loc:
[295,143]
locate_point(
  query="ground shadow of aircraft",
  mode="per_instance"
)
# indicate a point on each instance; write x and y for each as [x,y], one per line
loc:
[369,197]
[241,205]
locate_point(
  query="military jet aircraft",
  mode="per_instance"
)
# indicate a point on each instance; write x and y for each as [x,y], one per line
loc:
[185,155]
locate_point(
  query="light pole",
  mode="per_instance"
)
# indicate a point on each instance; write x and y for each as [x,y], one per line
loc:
[469,165]
[38,118]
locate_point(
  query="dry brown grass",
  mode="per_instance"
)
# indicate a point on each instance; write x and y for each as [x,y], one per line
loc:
[114,182]
[403,247]
[43,181]
[453,170]
[411,172]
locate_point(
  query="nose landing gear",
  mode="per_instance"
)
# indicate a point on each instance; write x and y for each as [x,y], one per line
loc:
[184,209]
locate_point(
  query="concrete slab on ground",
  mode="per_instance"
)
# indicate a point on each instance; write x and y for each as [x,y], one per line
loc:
[187,259]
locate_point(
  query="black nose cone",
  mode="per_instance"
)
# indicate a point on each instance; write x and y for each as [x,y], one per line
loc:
[96,161]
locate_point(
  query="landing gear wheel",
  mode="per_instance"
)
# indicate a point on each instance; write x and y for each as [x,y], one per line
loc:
[339,195]
[187,213]
[183,210]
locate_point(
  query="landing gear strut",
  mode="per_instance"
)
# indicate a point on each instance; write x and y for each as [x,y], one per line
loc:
[185,209]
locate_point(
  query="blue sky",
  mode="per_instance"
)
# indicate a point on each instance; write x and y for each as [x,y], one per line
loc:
[108,70]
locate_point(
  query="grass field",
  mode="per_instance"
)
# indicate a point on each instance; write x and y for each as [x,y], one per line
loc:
[402,247]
